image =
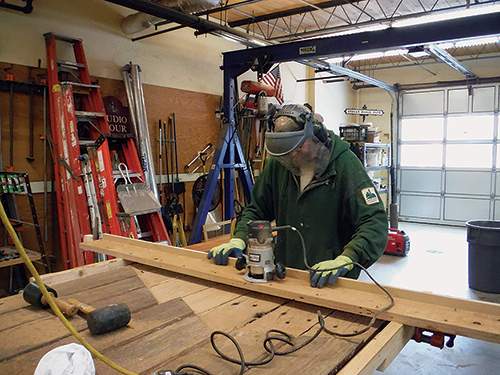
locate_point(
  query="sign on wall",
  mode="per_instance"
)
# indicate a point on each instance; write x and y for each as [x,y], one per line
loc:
[118,117]
[363,111]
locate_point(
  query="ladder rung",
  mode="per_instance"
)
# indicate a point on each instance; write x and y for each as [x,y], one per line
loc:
[82,85]
[70,64]
[63,38]
[89,114]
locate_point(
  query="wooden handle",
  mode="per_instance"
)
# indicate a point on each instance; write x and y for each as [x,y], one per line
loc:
[67,308]
[82,307]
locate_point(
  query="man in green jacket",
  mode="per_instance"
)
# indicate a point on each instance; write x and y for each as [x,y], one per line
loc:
[314,183]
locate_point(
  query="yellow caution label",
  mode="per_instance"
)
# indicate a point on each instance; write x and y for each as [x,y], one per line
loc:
[56,88]
[109,211]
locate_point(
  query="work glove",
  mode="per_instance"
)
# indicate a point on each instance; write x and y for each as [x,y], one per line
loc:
[220,254]
[338,266]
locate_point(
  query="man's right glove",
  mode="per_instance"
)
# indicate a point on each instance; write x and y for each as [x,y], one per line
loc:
[320,276]
[220,254]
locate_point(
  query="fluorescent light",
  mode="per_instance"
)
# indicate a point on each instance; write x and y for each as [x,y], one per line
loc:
[335,60]
[395,52]
[367,56]
[442,16]
[470,42]
[418,54]
[448,45]
[356,30]
[477,42]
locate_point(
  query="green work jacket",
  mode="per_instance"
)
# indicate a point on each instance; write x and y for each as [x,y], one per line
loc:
[339,212]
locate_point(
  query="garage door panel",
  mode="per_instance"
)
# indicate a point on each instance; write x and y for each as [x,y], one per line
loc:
[420,206]
[423,103]
[425,181]
[483,99]
[458,182]
[458,101]
[463,209]
[497,210]
[498,185]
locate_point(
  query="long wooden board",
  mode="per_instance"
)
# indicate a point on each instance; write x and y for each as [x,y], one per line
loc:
[473,319]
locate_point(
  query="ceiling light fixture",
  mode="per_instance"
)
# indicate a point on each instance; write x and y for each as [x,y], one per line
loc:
[335,60]
[443,16]
[357,30]
[477,42]
[396,52]
[367,56]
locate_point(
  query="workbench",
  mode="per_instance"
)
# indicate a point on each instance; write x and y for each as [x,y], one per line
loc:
[173,316]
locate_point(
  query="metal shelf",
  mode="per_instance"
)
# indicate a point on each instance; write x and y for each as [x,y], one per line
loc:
[376,145]
[377,168]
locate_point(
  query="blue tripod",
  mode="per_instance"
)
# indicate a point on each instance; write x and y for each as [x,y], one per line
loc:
[229,157]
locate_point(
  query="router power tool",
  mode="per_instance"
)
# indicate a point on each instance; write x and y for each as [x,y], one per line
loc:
[259,260]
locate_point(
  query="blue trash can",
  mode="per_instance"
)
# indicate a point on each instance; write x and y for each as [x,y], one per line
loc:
[484,255]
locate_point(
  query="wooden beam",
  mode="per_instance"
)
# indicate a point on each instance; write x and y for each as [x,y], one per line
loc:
[473,319]
[380,351]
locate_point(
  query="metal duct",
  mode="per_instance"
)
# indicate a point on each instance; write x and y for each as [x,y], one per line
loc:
[141,21]
[133,84]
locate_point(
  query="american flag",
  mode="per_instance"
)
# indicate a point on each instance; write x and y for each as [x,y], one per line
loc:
[273,78]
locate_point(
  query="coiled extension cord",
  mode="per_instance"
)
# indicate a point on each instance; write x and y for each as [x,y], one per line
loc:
[275,335]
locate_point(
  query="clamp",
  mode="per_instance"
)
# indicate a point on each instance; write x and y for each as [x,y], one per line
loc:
[434,338]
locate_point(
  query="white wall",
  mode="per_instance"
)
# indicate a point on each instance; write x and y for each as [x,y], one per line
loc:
[177,59]
[330,101]
[293,92]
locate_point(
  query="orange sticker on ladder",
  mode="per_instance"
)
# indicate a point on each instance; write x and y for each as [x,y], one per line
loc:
[109,210]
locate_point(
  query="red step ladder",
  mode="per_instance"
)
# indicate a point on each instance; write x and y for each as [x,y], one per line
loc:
[86,159]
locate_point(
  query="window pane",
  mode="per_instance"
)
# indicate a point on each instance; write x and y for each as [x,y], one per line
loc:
[470,127]
[422,129]
[421,155]
[498,157]
[469,156]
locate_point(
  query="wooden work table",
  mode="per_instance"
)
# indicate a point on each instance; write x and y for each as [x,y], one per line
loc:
[173,316]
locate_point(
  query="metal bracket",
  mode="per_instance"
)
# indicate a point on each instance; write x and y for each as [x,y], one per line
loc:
[449,60]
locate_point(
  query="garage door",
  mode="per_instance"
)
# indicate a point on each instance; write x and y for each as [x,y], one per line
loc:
[448,155]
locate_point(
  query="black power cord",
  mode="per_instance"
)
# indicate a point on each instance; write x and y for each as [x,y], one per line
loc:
[275,335]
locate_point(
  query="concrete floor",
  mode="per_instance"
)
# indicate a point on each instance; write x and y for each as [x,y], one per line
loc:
[437,262]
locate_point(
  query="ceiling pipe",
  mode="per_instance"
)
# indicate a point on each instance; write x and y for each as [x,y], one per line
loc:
[202,26]
[138,22]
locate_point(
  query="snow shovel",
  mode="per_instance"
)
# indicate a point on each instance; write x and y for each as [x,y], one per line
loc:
[135,198]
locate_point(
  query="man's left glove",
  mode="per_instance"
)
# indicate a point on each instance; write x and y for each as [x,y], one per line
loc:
[338,266]
[220,254]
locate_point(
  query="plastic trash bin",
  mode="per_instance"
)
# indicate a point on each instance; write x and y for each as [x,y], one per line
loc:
[484,255]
